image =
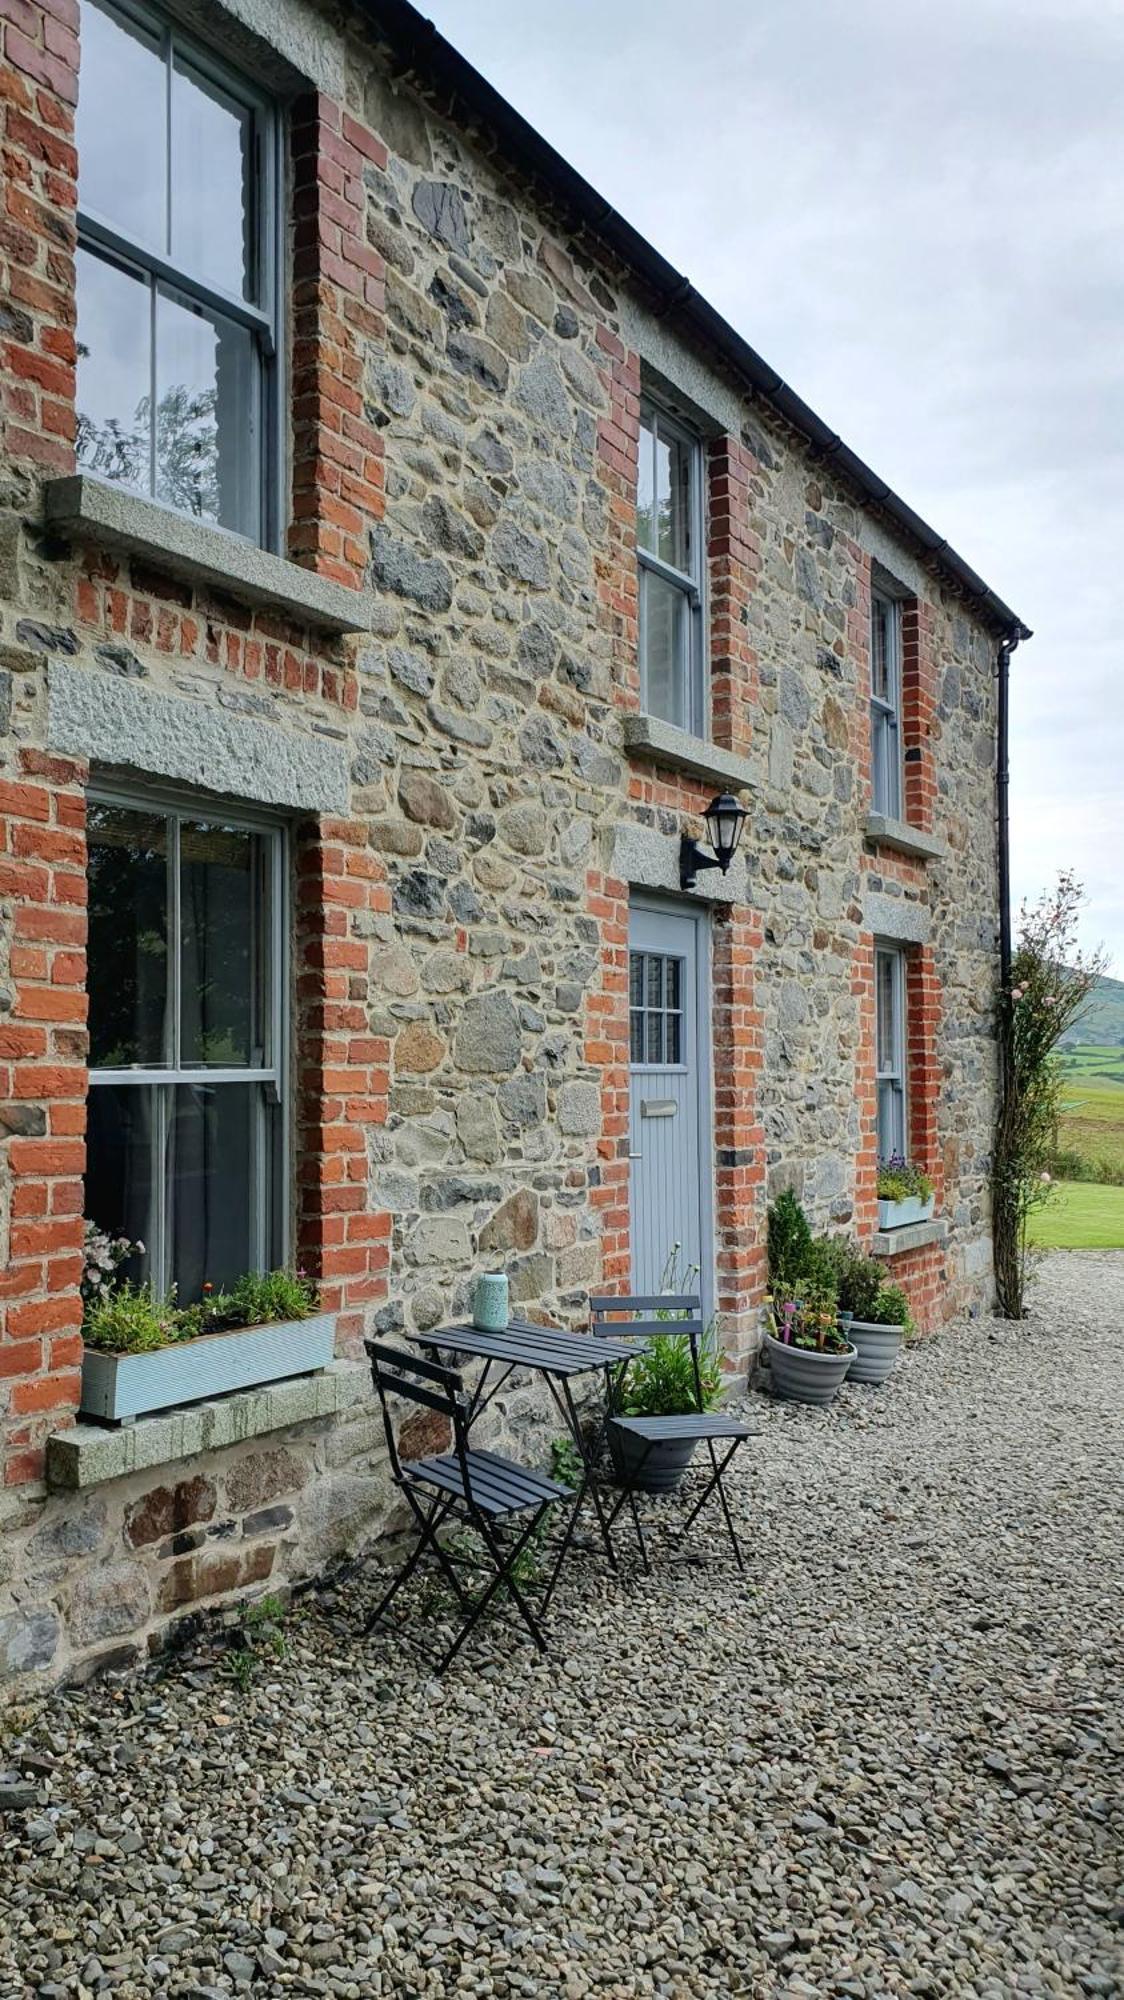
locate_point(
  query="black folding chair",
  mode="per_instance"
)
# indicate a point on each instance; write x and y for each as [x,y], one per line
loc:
[479,1487]
[660,1316]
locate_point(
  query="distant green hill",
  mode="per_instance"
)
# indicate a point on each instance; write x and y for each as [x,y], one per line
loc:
[1102,1023]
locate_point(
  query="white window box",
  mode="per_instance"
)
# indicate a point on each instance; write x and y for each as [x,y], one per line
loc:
[118,1387]
[903,1214]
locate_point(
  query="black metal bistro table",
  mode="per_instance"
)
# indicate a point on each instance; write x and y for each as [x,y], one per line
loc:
[559,1357]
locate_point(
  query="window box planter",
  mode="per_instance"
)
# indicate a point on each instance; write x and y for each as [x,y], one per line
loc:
[900,1214]
[118,1387]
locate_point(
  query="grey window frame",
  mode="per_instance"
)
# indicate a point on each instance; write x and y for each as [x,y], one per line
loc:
[894,1076]
[98,235]
[663,1013]
[275,1074]
[887,754]
[691,584]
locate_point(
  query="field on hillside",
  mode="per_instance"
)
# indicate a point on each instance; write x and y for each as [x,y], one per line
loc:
[1088,1214]
[1092,1121]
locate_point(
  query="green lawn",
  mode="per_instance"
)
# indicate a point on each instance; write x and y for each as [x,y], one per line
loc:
[1082,1216]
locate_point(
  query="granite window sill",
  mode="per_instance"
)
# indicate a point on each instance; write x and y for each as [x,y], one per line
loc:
[90,1454]
[658,742]
[912,1236]
[903,839]
[92,510]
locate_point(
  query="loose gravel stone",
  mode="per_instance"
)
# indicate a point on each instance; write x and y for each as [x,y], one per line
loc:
[879,1763]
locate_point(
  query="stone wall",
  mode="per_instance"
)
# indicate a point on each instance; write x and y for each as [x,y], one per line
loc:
[466,380]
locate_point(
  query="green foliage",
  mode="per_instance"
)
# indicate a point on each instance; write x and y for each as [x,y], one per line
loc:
[259,1636]
[789,1242]
[857,1278]
[900,1180]
[131,1319]
[565,1462]
[891,1308]
[1051,983]
[661,1381]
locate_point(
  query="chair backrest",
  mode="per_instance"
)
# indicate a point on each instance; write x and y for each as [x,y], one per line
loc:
[436,1388]
[655,1315]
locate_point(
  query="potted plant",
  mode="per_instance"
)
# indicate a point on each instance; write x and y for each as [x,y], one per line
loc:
[660,1382]
[809,1353]
[879,1334]
[144,1352]
[905,1194]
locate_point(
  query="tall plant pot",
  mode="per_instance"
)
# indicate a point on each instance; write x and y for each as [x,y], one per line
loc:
[649,1468]
[804,1375]
[877,1350]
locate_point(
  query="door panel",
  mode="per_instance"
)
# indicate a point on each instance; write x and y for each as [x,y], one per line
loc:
[669,1141]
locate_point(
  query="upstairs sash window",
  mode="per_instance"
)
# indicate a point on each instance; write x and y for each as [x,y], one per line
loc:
[669,548]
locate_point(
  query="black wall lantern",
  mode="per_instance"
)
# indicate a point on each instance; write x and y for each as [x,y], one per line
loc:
[724,821]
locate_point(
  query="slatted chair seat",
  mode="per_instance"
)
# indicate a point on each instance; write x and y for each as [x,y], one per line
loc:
[479,1487]
[676,1429]
[653,1316]
[497,1485]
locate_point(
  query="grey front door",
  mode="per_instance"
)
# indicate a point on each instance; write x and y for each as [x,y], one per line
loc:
[671,1156]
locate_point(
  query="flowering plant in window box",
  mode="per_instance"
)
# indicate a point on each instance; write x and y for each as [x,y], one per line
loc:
[144,1352]
[905,1194]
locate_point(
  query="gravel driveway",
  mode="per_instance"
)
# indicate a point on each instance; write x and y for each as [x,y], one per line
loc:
[882,1763]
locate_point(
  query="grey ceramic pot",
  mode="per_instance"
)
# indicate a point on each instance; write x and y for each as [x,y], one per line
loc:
[655,1468]
[877,1350]
[803,1375]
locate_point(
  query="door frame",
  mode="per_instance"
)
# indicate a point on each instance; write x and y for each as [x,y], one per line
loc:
[698,913]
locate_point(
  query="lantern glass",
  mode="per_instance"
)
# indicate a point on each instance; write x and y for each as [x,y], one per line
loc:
[724,821]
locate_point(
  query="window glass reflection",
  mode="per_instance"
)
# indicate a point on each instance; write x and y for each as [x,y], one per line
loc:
[211,205]
[114,372]
[128,938]
[121,126]
[223,927]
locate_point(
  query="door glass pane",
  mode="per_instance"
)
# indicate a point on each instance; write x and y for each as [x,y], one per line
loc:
[654,981]
[674,976]
[219,1143]
[665,648]
[114,374]
[122,126]
[636,978]
[122,1177]
[224,931]
[674,1038]
[128,938]
[207,451]
[636,1036]
[212,139]
[654,1048]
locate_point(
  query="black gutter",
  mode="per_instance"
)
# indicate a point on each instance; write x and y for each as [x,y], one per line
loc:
[459,93]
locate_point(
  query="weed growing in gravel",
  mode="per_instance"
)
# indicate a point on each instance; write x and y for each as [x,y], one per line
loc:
[259,1636]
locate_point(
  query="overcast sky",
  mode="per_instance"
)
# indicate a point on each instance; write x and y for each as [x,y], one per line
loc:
[917,216]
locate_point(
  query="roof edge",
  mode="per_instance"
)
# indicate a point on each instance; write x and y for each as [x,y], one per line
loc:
[421,48]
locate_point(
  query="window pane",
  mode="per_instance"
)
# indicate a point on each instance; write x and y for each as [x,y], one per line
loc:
[646,489]
[207,450]
[122,126]
[224,933]
[220,1145]
[881,682]
[212,148]
[636,978]
[654,1050]
[673,478]
[128,937]
[885,1007]
[674,972]
[886,786]
[891,1122]
[122,1176]
[665,649]
[655,981]
[114,375]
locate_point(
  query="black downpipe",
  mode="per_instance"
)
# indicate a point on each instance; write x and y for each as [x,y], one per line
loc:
[1002,807]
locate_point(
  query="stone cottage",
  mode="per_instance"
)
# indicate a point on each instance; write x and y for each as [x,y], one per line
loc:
[397,558]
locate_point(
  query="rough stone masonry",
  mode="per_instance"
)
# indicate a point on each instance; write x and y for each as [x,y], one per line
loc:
[470,804]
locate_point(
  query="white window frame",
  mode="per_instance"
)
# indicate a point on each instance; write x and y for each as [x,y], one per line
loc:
[892,1077]
[100,236]
[274,1074]
[887,756]
[690,583]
